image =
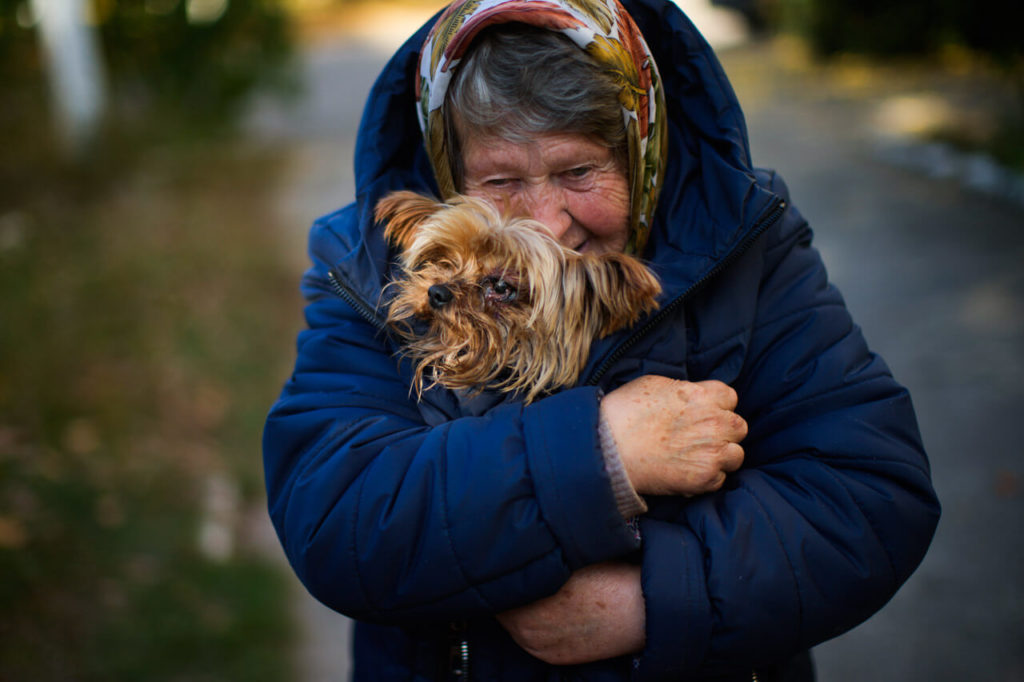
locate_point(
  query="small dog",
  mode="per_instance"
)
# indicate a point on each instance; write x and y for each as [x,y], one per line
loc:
[505,306]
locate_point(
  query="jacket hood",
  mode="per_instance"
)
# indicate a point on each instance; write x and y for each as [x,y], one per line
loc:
[709,199]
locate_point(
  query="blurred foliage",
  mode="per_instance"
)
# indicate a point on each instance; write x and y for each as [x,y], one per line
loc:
[985,33]
[191,67]
[904,27]
[146,318]
[169,59]
[146,326]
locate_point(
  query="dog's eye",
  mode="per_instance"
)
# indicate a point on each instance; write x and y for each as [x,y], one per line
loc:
[500,290]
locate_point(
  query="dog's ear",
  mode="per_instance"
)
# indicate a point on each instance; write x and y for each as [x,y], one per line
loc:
[623,289]
[402,213]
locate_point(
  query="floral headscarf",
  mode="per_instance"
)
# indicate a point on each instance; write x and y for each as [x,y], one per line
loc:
[606,32]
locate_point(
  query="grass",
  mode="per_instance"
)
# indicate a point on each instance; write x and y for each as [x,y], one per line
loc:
[146,324]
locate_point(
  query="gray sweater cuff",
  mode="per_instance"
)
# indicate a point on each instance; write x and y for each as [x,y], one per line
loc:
[626,498]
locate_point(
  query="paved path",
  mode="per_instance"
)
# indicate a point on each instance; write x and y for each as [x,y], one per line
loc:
[931,271]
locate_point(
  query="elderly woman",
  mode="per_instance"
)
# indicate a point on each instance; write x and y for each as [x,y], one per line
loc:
[734,480]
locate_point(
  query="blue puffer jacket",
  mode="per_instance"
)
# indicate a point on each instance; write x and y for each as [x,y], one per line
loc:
[423,520]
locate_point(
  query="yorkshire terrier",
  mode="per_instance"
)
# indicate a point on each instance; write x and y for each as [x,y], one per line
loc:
[492,301]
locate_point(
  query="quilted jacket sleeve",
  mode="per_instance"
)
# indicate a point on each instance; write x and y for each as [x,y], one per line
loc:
[833,509]
[386,519]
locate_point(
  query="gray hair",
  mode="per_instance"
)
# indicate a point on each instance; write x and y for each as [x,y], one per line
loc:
[518,81]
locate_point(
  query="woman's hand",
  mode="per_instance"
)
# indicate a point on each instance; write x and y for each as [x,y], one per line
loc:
[675,437]
[599,613]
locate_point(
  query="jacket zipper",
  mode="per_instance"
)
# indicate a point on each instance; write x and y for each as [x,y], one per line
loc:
[458,651]
[462,672]
[773,214]
[365,311]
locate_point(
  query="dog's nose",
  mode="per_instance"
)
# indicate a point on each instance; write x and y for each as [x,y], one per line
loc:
[440,296]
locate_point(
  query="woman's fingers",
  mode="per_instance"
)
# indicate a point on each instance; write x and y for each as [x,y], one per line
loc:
[676,437]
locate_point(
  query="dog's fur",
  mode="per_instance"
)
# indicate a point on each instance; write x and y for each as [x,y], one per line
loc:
[506,306]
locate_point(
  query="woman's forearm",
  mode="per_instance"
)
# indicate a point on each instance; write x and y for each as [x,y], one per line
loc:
[599,613]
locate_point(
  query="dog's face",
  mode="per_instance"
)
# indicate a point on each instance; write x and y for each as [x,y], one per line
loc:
[505,305]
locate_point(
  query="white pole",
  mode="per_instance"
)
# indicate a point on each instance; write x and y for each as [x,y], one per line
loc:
[75,72]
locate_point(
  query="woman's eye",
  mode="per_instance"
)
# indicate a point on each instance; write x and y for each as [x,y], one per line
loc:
[500,183]
[578,172]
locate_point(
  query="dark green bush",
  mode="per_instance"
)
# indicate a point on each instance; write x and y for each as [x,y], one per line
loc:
[908,27]
[163,61]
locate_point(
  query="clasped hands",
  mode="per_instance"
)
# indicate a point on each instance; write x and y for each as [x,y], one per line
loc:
[674,438]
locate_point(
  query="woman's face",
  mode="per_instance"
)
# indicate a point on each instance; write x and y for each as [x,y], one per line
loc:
[569,183]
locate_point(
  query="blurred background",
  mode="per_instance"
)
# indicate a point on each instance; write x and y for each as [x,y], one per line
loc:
[160,162]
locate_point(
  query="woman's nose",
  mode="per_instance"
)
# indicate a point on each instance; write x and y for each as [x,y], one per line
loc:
[547,205]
